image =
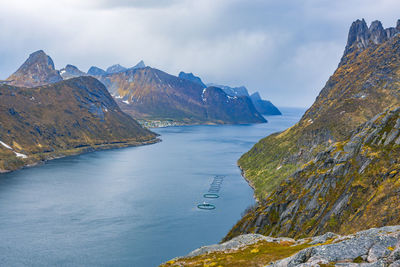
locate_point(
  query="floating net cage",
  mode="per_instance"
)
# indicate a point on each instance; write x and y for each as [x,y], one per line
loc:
[206,206]
[211,196]
[213,191]
[216,184]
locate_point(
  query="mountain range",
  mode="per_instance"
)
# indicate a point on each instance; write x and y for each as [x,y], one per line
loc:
[151,94]
[264,107]
[49,113]
[146,93]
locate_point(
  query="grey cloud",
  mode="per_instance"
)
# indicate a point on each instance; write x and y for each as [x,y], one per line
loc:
[285,49]
[135,3]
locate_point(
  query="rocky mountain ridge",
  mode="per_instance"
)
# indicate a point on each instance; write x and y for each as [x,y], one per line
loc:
[351,186]
[141,93]
[71,71]
[365,83]
[95,71]
[264,106]
[232,91]
[151,94]
[191,77]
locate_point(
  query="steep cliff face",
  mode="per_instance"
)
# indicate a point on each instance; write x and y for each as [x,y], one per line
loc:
[264,106]
[221,107]
[191,77]
[352,185]
[37,70]
[115,68]
[232,91]
[95,71]
[151,94]
[361,37]
[62,118]
[366,82]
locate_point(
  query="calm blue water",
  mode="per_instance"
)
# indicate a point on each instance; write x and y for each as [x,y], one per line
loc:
[132,206]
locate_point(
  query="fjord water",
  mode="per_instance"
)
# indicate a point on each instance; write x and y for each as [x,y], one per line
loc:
[133,206]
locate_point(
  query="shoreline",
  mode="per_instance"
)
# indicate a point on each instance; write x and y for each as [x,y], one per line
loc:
[242,172]
[80,151]
[164,124]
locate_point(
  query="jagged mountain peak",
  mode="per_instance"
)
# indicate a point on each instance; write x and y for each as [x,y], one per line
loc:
[232,91]
[69,66]
[71,71]
[358,34]
[256,96]
[95,71]
[139,65]
[264,106]
[377,32]
[37,70]
[39,54]
[115,68]
[38,57]
[361,36]
[191,77]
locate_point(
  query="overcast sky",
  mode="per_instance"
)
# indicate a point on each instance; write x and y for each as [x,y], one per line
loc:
[286,50]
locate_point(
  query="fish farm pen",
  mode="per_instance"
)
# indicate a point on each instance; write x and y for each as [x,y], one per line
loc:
[213,191]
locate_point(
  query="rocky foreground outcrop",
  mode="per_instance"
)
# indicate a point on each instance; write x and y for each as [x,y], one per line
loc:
[373,247]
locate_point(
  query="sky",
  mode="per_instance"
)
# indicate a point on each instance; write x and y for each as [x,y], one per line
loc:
[285,49]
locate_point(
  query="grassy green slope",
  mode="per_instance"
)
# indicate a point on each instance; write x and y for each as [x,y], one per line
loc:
[351,186]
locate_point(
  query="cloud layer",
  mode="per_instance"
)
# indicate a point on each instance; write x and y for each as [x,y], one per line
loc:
[284,49]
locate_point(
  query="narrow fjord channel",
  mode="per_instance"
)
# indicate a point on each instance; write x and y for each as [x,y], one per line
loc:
[133,206]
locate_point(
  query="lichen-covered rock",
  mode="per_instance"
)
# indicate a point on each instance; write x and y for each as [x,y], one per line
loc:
[374,247]
[237,242]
